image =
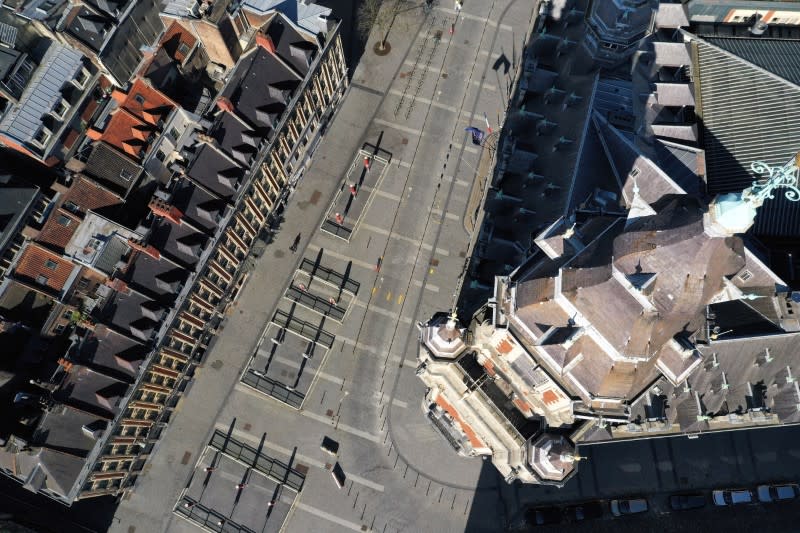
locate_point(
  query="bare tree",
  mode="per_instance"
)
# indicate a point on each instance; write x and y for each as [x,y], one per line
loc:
[373,13]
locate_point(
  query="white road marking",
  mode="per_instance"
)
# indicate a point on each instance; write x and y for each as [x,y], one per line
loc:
[328,516]
[330,253]
[446,107]
[385,312]
[398,127]
[378,192]
[344,427]
[376,351]
[452,216]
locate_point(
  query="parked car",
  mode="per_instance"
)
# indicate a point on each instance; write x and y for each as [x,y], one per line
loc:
[629,506]
[584,511]
[684,502]
[777,493]
[543,516]
[732,497]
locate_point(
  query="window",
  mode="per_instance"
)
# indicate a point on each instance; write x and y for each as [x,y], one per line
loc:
[52,265]
[83,283]
[71,206]
[183,49]
[744,276]
[64,220]
[138,98]
[161,155]
[42,136]
[82,78]
[59,329]
[67,315]
[42,280]
[125,174]
[173,133]
[60,109]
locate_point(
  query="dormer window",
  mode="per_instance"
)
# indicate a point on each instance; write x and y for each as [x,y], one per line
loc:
[183,49]
[138,98]
[60,109]
[42,136]
[82,78]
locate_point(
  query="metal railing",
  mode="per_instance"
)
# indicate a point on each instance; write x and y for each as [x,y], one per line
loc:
[270,387]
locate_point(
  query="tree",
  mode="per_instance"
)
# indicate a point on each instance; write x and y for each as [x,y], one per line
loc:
[372,13]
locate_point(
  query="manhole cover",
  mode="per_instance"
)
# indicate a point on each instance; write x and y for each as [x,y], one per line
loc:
[437,35]
[466,42]
[315,196]
[435,262]
[444,75]
[364,527]
[216,365]
[402,75]
[328,466]
[404,141]
[186,457]
[247,426]
[303,469]
[329,412]
[462,254]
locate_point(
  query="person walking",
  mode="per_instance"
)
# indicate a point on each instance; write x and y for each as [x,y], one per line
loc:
[296,242]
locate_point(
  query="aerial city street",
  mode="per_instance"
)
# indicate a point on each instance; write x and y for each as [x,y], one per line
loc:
[399,265]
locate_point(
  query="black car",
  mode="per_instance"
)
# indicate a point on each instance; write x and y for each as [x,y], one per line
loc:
[684,502]
[543,515]
[584,511]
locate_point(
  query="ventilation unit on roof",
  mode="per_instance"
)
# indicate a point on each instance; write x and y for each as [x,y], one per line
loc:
[759,26]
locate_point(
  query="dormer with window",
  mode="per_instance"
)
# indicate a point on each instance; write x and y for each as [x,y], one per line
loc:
[42,137]
[59,111]
[82,78]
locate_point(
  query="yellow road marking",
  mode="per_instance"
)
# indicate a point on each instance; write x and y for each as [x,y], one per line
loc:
[388,295]
[400,299]
[431,271]
[374,290]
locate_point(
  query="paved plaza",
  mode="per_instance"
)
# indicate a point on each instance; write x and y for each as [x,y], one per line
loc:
[323,341]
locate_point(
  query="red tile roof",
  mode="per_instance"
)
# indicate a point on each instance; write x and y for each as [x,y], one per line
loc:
[34,263]
[86,195]
[58,230]
[137,117]
[176,35]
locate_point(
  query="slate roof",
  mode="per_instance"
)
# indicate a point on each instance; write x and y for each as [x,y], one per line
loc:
[33,263]
[58,66]
[201,208]
[238,140]
[182,244]
[215,171]
[294,47]
[92,391]
[132,314]
[140,29]
[111,352]
[106,164]
[160,279]
[778,56]
[15,203]
[113,250]
[260,88]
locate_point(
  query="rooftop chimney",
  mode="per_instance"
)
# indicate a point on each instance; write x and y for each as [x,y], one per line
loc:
[145,249]
[225,104]
[265,41]
[163,209]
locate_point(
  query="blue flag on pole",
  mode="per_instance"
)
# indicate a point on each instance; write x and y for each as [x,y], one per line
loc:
[477,135]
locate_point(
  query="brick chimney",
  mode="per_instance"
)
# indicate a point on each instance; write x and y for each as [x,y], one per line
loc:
[265,41]
[225,104]
[119,95]
[94,134]
[162,209]
[118,285]
[145,249]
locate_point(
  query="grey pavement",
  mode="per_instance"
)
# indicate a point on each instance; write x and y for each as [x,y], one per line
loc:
[420,97]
